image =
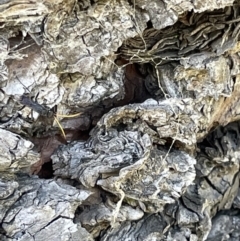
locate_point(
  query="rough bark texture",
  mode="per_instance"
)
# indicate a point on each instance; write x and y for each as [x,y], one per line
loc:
[154,153]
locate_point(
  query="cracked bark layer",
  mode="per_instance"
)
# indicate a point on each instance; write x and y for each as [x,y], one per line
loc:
[33,208]
[156,169]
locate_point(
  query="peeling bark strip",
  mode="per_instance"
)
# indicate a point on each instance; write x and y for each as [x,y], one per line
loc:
[215,32]
[156,150]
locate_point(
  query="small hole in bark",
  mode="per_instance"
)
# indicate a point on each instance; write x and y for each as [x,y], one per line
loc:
[149,24]
[46,171]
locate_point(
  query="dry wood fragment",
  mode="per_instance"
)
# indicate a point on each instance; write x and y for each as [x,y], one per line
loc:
[157,86]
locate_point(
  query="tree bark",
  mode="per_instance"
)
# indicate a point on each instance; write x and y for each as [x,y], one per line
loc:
[119,120]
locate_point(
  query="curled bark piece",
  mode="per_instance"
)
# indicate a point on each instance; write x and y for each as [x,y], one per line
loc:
[156,181]
[193,33]
[129,166]
[95,36]
[30,76]
[171,118]
[98,163]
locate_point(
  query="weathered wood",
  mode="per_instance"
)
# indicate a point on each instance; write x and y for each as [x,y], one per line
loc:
[32,209]
[157,86]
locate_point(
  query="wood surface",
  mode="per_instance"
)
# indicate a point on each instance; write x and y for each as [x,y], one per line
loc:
[154,152]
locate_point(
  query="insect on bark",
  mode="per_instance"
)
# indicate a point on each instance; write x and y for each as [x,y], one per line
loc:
[42,110]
